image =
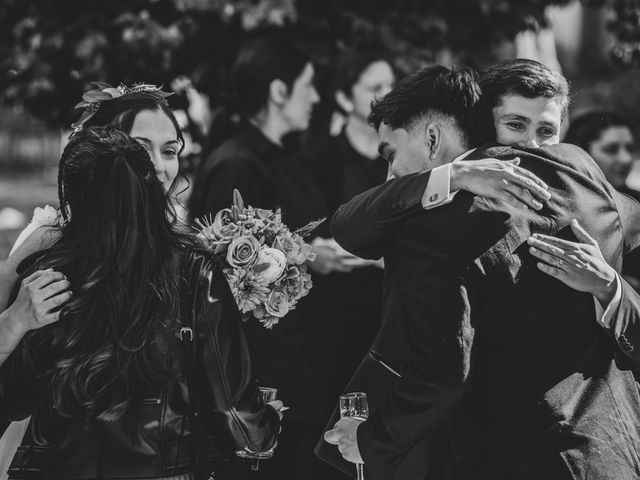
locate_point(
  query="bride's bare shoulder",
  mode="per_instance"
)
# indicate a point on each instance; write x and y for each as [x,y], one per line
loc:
[42,237]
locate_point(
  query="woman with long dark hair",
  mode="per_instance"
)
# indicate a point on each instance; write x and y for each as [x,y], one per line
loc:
[141,111]
[145,374]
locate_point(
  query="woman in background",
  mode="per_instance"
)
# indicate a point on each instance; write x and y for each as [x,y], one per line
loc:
[608,138]
[344,165]
[114,386]
[274,96]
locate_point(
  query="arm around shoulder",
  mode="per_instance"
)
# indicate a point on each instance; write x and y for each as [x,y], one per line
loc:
[365,225]
[41,238]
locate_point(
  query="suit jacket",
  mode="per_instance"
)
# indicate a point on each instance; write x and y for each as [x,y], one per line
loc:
[473,321]
[368,224]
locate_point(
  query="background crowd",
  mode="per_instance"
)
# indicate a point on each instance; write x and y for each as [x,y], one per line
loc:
[303,145]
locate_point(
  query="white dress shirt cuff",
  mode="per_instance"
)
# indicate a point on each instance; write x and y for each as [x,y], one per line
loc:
[604,315]
[438,191]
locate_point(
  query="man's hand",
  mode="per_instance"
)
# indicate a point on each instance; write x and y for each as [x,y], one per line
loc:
[344,436]
[580,266]
[500,180]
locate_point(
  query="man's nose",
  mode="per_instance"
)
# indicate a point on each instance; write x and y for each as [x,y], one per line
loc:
[531,142]
[384,90]
[624,156]
[315,97]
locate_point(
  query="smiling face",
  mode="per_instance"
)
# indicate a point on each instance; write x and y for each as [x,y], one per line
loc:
[156,132]
[528,122]
[612,152]
[298,106]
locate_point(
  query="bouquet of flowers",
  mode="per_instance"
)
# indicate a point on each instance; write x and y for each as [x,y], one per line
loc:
[266,270]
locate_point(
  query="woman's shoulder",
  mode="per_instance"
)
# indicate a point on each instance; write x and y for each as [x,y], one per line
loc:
[236,150]
[41,232]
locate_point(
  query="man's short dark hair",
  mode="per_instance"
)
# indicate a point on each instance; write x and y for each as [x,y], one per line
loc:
[523,77]
[434,89]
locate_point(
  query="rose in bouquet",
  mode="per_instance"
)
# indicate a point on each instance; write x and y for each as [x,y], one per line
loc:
[266,261]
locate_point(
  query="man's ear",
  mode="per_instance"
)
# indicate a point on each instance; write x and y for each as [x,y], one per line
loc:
[433,139]
[278,91]
[343,101]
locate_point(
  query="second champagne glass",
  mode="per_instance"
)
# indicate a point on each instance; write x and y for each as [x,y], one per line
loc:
[355,405]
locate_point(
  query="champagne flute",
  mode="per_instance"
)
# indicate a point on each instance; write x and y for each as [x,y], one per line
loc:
[268,394]
[354,405]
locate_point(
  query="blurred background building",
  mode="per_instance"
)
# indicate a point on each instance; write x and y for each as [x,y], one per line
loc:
[51,50]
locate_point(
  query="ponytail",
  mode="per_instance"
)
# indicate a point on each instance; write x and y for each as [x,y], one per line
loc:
[118,251]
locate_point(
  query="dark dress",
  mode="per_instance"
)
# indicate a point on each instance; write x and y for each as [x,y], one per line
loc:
[295,356]
[342,173]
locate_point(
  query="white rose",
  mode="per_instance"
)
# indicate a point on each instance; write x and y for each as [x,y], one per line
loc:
[270,265]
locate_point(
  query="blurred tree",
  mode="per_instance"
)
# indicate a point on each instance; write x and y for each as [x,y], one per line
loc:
[51,49]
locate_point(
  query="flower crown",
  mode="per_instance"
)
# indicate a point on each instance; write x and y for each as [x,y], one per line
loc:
[93,99]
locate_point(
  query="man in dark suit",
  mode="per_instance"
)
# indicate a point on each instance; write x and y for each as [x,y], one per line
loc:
[470,320]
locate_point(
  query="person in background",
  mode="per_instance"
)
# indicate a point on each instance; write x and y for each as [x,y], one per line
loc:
[125,382]
[608,138]
[255,153]
[345,165]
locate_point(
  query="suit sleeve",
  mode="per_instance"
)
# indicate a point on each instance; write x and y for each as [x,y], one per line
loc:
[629,210]
[438,299]
[624,326]
[625,322]
[365,225]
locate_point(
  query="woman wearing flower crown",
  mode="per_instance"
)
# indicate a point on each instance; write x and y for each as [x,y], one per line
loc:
[143,113]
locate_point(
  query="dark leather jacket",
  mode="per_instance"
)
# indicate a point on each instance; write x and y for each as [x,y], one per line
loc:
[160,436]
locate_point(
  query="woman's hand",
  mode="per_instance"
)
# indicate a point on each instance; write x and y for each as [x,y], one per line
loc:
[39,297]
[500,180]
[580,266]
[278,406]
